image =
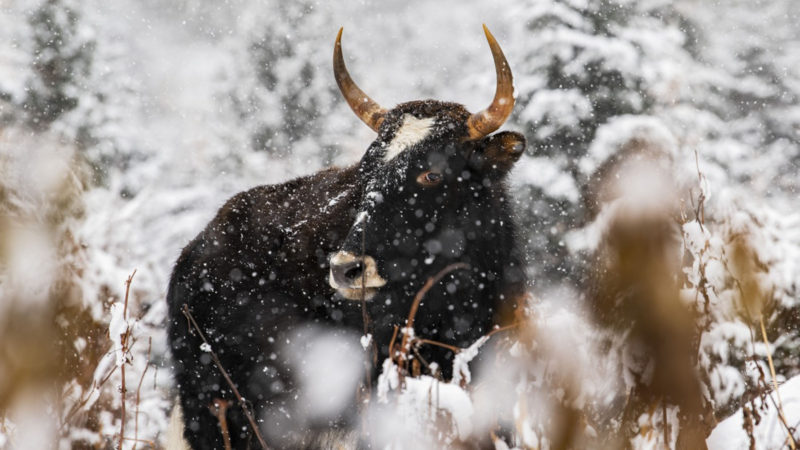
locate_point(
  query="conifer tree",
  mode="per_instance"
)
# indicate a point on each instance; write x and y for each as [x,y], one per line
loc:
[62,58]
[286,94]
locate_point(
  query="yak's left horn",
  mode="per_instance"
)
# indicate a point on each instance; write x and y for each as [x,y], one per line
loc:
[365,108]
[490,119]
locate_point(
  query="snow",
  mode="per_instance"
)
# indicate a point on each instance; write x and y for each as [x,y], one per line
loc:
[361,217]
[547,175]
[323,358]
[388,380]
[612,136]
[445,397]
[117,328]
[769,433]
[419,402]
[366,341]
[552,109]
[336,199]
[461,372]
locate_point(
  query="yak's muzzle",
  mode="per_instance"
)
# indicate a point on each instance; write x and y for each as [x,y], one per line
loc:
[354,276]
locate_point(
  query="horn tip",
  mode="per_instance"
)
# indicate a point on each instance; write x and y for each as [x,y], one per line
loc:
[488,33]
[339,35]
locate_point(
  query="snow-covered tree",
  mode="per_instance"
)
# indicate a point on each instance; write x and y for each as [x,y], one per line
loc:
[606,84]
[62,58]
[584,63]
[283,91]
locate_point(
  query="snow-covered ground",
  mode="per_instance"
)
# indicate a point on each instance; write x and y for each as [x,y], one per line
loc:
[769,432]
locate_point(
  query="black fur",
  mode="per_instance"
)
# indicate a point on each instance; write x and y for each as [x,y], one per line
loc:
[259,271]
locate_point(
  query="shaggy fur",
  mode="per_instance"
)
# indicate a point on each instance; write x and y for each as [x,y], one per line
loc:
[260,270]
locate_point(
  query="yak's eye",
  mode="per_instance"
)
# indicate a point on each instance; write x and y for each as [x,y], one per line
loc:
[429,178]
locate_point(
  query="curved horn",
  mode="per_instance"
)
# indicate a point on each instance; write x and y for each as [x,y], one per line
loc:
[365,108]
[484,122]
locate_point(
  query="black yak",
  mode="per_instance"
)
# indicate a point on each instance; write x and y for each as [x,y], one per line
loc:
[429,192]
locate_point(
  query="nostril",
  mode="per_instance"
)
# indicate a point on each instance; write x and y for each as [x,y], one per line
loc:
[355,272]
[351,272]
[348,274]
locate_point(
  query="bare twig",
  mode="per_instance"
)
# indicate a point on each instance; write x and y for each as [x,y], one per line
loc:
[127,292]
[95,386]
[391,342]
[124,350]
[85,399]
[217,362]
[364,315]
[700,210]
[139,393]
[219,408]
[792,442]
[365,319]
[421,293]
[364,393]
[452,348]
[747,425]
[401,360]
[502,329]
[142,441]
[415,366]
[107,377]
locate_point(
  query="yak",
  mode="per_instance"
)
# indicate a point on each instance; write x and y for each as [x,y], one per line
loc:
[345,245]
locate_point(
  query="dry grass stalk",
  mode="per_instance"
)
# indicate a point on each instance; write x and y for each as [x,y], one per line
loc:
[224,372]
[790,437]
[754,304]
[125,348]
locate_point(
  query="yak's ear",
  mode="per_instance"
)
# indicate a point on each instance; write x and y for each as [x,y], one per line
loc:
[500,151]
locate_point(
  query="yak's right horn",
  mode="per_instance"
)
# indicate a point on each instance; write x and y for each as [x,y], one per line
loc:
[365,108]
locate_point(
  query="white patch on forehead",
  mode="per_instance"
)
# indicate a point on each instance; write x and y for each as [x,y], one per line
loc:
[412,131]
